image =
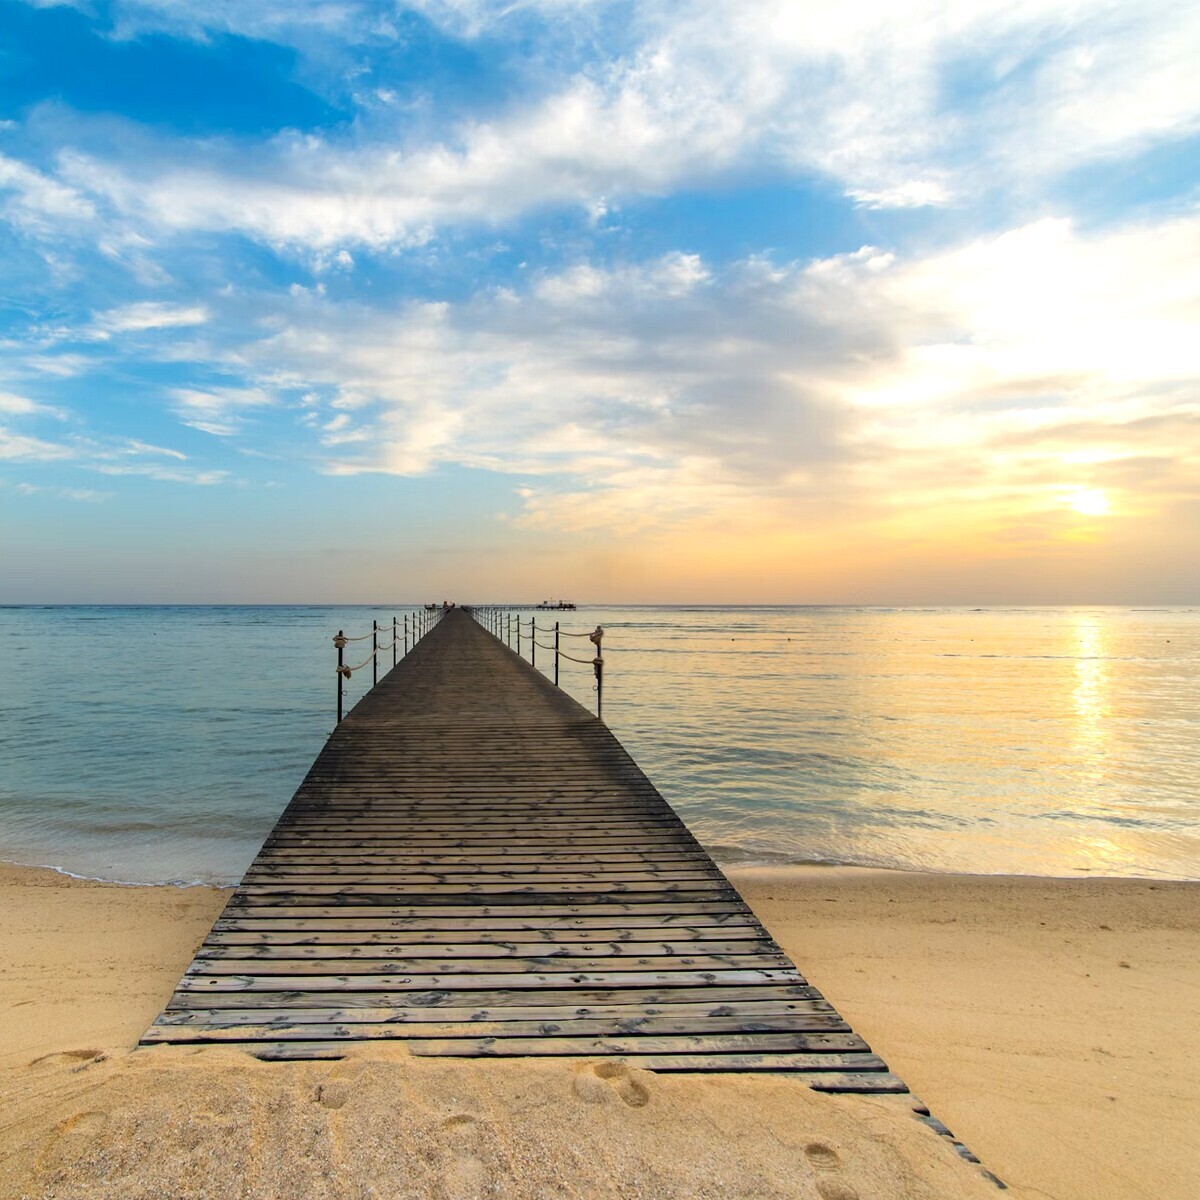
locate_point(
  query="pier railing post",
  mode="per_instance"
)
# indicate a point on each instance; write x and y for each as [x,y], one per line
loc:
[518,635]
[406,633]
[556,624]
[596,639]
[533,642]
[374,652]
[340,643]
[393,641]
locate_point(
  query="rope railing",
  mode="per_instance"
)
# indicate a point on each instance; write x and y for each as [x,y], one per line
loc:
[415,625]
[572,658]
[362,637]
[501,624]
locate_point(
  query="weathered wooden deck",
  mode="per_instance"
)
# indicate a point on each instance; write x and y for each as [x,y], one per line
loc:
[475,865]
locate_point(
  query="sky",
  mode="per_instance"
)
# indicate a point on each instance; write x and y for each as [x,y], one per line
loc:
[732,301]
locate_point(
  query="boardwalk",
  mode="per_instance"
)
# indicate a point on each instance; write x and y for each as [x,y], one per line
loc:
[475,865]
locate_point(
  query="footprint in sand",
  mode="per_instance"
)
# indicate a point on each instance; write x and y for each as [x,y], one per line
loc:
[78,1129]
[590,1088]
[598,1082]
[466,1175]
[331,1095]
[83,1122]
[826,1162]
[75,1059]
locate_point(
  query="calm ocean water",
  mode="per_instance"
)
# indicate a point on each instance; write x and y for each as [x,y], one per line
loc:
[154,744]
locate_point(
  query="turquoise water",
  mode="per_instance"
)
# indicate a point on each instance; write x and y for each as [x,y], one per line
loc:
[154,744]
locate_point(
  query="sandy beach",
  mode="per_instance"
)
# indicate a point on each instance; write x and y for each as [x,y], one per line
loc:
[1049,1023]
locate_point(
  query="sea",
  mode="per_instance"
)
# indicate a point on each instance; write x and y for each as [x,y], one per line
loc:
[159,744]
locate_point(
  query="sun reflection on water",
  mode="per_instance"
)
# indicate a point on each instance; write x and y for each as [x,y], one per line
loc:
[1091,697]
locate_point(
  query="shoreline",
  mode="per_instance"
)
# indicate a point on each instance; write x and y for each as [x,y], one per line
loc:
[735,870]
[1048,1022]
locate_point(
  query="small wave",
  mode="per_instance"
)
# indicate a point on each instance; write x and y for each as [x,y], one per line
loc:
[130,883]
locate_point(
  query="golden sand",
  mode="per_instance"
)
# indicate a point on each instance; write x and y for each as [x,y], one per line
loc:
[1003,1002]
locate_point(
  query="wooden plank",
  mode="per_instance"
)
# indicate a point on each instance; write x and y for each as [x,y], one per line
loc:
[746,1010]
[842,1066]
[320,948]
[268,869]
[604,910]
[258,981]
[711,1043]
[815,1034]
[416,845]
[475,881]
[494,859]
[498,825]
[637,922]
[704,887]
[721,939]
[567,996]
[483,860]
[239,960]
[847,1081]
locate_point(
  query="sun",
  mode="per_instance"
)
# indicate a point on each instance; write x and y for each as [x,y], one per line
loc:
[1091,502]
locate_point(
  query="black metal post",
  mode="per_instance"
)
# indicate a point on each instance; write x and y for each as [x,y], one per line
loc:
[406,633]
[340,643]
[533,641]
[393,641]
[374,653]
[518,635]
[556,654]
[597,638]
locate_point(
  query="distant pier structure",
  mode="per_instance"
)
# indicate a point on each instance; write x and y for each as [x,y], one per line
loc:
[475,865]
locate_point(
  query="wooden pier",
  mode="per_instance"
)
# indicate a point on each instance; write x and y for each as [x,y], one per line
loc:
[475,865]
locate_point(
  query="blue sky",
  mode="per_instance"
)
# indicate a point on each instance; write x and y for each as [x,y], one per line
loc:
[357,301]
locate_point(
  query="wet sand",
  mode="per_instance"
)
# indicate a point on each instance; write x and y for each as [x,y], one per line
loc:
[1049,1023]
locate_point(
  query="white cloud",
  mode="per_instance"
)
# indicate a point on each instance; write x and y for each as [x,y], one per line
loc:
[137,318]
[136,447]
[80,495]
[901,106]
[105,456]
[38,203]
[14,405]
[196,476]
[16,447]
[62,366]
[302,23]
[645,395]
[218,410]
